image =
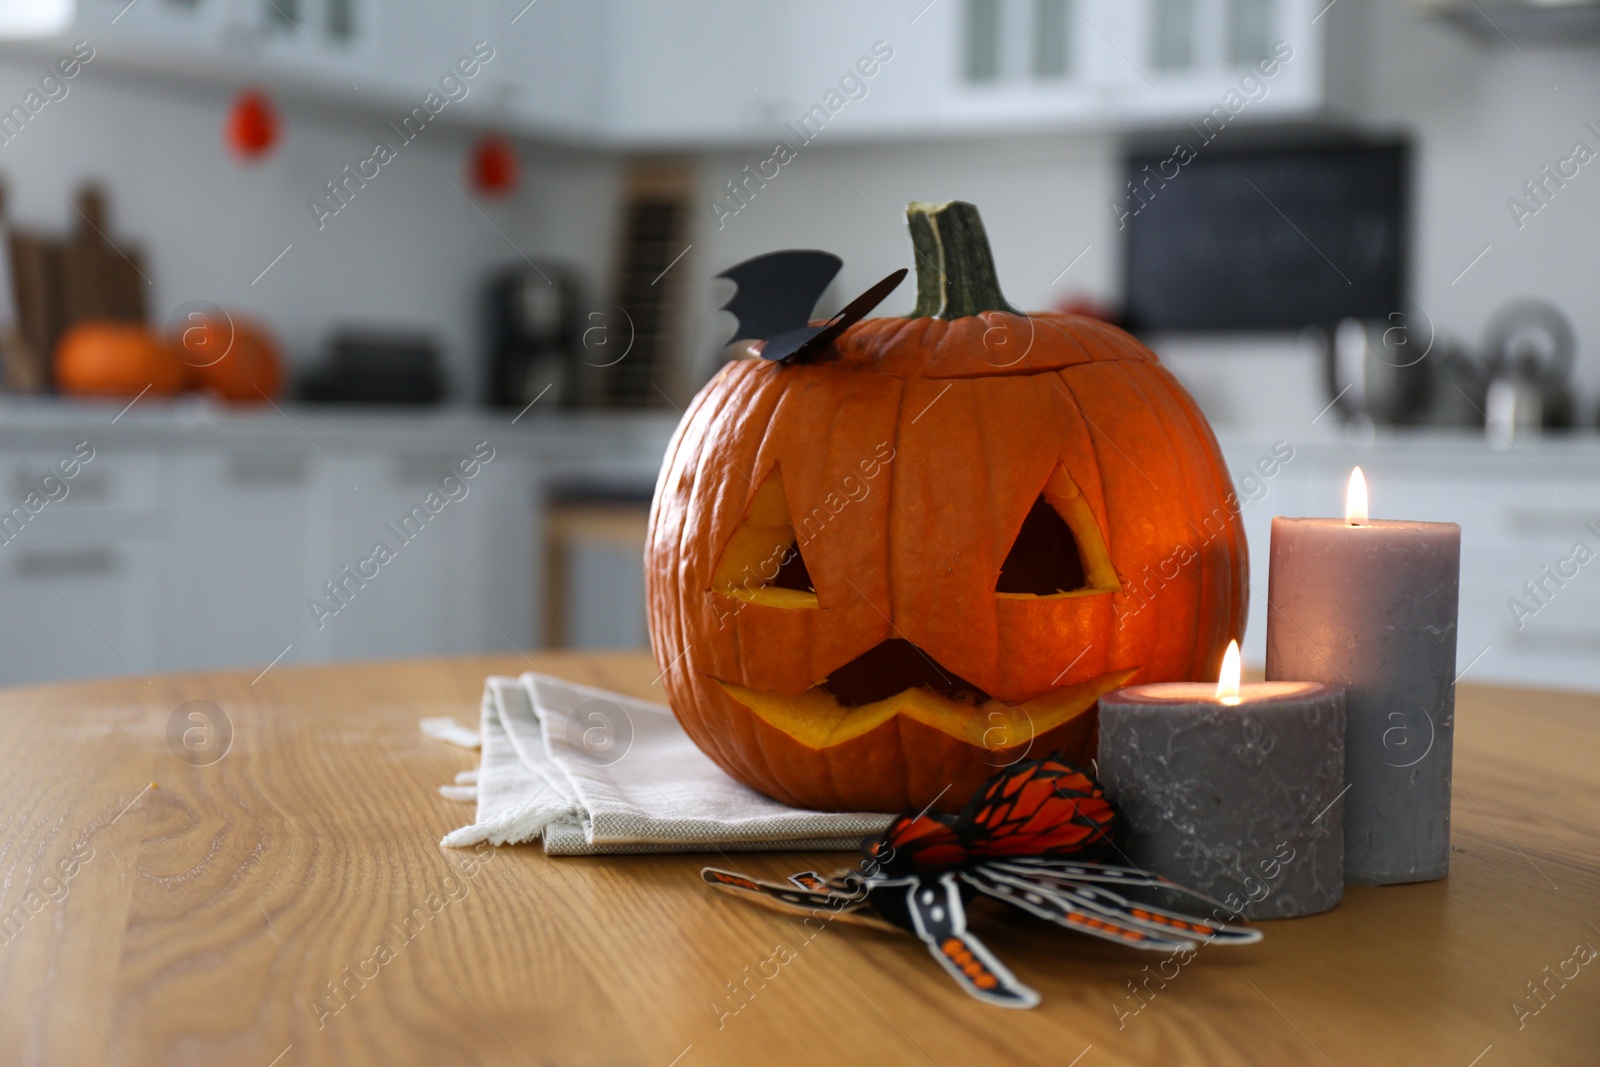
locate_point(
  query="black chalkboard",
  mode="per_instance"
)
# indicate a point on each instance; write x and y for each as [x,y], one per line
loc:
[1263,239]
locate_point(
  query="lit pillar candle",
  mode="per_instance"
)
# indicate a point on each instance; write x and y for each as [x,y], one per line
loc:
[1371,606]
[1231,790]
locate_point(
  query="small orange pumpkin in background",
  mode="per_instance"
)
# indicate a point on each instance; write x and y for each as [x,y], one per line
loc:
[116,359]
[876,578]
[232,357]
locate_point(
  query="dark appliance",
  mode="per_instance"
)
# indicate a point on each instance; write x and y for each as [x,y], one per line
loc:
[1264,239]
[534,334]
[372,366]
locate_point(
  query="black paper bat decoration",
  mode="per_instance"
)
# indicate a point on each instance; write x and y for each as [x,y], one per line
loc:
[1029,839]
[776,294]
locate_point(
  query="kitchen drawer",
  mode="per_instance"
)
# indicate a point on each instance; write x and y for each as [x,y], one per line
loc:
[109,480]
[1489,512]
[238,560]
[77,609]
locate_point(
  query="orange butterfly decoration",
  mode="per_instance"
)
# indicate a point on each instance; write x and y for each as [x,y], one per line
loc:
[1032,838]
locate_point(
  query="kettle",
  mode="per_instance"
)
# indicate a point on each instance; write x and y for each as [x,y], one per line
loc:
[1376,372]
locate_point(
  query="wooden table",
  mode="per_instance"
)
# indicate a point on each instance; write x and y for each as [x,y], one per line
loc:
[209,919]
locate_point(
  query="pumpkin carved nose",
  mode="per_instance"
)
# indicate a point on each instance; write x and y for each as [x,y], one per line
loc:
[892,667]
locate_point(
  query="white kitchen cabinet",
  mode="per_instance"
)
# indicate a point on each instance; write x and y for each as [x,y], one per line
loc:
[246,526]
[693,70]
[78,607]
[78,577]
[664,74]
[164,26]
[352,53]
[1152,62]
[548,66]
[198,538]
[1514,523]
[459,580]
[399,609]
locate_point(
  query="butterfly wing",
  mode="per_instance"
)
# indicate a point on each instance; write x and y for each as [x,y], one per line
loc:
[1072,870]
[1100,903]
[1047,903]
[844,899]
[1085,878]
[1040,808]
[782,897]
[940,920]
[810,881]
[919,844]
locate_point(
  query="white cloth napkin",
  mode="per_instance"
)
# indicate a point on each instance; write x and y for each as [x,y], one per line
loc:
[588,771]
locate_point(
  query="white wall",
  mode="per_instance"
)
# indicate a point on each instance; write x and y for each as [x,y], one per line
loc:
[1042,202]
[1483,120]
[407,250]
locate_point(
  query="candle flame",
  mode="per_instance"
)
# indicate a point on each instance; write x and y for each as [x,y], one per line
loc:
[1355,498]
[1228,680]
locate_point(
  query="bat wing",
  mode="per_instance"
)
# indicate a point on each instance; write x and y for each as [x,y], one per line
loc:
[808,342]
[778,291]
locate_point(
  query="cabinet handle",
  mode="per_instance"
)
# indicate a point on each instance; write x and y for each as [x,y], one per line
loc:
[267,470]
[1559,522]
[88,485]
[424,470]
[63,563]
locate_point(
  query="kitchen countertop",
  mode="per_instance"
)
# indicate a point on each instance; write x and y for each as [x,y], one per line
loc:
[194,420]
[195,417]
[1421,450]
[213,910]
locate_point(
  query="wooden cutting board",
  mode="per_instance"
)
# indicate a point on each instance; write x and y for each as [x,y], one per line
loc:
[102,277]
[56,283]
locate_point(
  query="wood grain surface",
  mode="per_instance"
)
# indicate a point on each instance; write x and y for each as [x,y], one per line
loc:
[288,904]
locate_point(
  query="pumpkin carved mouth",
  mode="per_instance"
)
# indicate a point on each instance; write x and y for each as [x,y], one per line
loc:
[897,680]
[892,667]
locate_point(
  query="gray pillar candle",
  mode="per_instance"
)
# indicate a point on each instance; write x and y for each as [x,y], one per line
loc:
[1240,802]
[1372,606]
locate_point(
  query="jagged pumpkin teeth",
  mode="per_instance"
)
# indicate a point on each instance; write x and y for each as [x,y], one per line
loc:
[876,576]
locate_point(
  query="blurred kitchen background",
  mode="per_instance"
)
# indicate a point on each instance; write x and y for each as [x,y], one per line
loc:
[480,237]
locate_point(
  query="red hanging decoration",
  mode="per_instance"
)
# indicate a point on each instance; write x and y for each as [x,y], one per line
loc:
[494,165]
[252,126]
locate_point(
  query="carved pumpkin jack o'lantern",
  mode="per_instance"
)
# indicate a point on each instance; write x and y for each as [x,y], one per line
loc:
[876,578]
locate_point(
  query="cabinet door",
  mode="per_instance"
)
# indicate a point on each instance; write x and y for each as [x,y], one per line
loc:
[1015,63]
[548,66]
[165,26]
[77,608]
[80,568]
[830,50]
[239,560]
[694,70]
[410,566]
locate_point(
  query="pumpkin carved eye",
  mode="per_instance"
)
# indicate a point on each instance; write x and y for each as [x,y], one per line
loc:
[1059,550]
[1044,558]
[762,562]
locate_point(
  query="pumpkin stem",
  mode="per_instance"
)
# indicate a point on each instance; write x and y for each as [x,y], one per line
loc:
[955,269]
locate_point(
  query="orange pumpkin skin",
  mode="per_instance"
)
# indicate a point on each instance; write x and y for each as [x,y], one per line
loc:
[116,359]
[908,463]
[235,359]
